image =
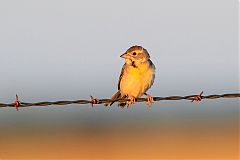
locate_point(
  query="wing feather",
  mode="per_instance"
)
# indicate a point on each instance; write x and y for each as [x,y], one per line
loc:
[121,75]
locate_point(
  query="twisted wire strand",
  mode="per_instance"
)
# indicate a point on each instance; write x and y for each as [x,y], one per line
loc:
[18,103]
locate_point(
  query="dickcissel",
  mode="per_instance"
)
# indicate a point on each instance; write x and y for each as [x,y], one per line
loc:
[136,77]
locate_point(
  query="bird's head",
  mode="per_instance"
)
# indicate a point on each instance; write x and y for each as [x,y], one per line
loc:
[136,55]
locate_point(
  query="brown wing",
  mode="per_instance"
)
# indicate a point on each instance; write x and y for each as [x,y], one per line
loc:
[118,94]
[120,77]
[152,66]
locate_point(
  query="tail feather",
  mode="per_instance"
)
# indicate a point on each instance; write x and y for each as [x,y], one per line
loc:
[114,98]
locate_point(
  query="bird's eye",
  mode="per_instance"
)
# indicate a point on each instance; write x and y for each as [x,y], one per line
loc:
[134,53]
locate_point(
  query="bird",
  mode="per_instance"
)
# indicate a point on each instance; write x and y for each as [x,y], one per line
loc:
[137,76]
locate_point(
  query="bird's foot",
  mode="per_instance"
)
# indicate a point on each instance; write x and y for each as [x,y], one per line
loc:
[198,97]
[150,100]
[132,101]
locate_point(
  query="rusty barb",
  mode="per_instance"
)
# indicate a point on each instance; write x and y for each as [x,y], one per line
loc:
[18,104]
[198,97]
[94,100]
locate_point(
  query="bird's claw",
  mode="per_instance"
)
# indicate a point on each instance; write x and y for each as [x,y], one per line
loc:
[198,97]
[132,101]
[150,100]
[94,100]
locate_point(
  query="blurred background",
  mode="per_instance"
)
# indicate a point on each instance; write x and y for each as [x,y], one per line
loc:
[68,49]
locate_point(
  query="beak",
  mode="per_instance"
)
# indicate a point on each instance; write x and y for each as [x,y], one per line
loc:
[125,55]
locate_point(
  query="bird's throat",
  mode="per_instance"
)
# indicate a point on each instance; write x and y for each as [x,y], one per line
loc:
[134,64]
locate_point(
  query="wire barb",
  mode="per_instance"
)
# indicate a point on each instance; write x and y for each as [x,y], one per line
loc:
[197,98]
[17,104]
[94,101]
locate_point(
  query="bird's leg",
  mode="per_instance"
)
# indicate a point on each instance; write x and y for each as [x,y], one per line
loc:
[132,101]
[149,99]
[198,97]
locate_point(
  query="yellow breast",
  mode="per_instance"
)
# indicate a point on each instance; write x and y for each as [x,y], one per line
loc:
[136,80]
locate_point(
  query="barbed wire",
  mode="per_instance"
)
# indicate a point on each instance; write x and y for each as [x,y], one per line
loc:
[17,104]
